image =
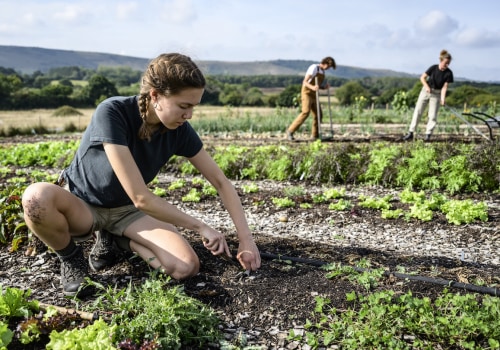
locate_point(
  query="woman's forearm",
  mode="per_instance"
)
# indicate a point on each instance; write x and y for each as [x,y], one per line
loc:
[232,203]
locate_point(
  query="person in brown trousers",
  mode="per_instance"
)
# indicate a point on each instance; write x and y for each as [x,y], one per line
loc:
[308,96]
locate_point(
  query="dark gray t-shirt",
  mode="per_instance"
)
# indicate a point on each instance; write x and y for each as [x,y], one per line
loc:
[117,121]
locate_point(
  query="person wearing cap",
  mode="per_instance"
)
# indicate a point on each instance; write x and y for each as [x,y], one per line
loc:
[313,81]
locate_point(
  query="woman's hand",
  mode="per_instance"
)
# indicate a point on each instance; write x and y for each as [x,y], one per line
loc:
[214,241]
[248,255]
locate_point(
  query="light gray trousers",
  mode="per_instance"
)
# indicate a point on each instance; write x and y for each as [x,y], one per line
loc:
[433,100]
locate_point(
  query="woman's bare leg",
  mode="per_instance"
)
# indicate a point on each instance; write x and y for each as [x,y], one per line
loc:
[54,214]
[161,245]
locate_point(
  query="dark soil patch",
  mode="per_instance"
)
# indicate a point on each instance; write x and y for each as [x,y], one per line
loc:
[264,305]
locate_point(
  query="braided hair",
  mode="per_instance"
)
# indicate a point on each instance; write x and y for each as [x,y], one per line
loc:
[168,74]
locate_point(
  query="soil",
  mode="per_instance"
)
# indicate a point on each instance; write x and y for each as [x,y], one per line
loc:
[263,306]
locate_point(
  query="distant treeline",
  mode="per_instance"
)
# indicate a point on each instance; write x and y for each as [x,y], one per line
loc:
[83,88]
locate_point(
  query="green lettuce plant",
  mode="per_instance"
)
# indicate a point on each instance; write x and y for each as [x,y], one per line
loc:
[97,336]
[464,211]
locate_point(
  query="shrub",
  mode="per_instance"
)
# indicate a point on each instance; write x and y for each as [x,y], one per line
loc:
[65,111]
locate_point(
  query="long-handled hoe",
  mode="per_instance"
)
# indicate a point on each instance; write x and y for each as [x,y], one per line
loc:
[318,115]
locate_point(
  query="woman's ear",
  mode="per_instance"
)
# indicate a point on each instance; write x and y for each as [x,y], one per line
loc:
[154,95]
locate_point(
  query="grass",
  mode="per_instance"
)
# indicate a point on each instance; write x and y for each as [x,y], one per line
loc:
[226,119]
[43,118]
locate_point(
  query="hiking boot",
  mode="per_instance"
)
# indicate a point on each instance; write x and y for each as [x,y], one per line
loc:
[74,270]
[123,244]
[104,252]
[408,137]
[427,138]
[289,136]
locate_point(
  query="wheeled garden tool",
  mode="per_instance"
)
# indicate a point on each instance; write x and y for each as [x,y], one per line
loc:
[459,115]
[491,122]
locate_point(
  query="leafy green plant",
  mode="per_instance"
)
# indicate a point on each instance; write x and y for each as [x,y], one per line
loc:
[457,177]
[278,169]
[294,191]
[209,190]
[39,175]
[98,336]
[421,211]
[187,168]
[384,320]
[14,303]
[155,181]
[11,220]
[255,162]
[401,102]
[6,335]
[464,211]
[193,196]
[198,181]
[177,184]
[229,158]
[334,193]
[160,191]
[423,208]
[319,198]
[412,165]
[154,311]
[380,160]
[420,169]
[341,204]
[250,188]
[436,200]
[391,213]
[250,173]
[56,153]
[409,196]
[374,202]
[283,202]
[367,278]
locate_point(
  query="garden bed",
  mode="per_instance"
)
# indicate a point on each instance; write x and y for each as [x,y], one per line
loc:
[262,308]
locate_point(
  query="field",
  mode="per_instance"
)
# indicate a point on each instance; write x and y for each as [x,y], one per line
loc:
[46,118]
[292,301]
[347,123]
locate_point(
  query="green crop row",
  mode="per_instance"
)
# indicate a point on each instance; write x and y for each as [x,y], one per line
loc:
[449,167]
[454,168]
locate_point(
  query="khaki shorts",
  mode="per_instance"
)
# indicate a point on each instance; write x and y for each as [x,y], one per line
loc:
[113,220]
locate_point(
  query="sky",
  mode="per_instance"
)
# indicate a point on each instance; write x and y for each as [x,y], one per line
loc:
[400,35]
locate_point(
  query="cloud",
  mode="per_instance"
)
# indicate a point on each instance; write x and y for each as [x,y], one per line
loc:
[436,23]
[400,39]
[29,18]
[68,14]
[126,10]
[179,11]
[478,38]
[381,36]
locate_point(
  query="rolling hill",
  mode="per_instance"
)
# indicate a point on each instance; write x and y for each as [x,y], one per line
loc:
[30,59]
